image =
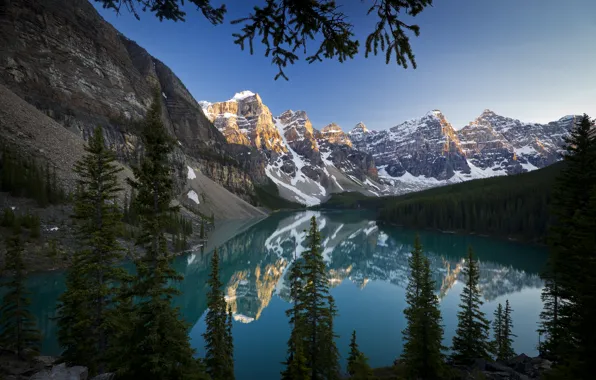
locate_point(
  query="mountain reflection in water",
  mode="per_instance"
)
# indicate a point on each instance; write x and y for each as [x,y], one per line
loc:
[256,255]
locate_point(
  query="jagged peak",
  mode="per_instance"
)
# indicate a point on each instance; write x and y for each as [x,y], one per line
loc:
[488,112]
[435,112]
[360,127]
[332,127]
[242,95]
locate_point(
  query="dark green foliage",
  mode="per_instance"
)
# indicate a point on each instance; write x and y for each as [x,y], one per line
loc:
[362,370]
[156,342]
[18,329]
[422,355]
[296,366]
[287,27]
[569,295]
[511,206]
[29,221]
[23,176]
[202,231]
[358,367]
[471,340]
[91,279]
[354,200]
[218,334]
[312,315]
[8,218]
[502,326]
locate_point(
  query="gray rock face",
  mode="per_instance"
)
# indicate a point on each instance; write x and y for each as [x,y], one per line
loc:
[511,146]
[62,372]
[64,59]
[428,147]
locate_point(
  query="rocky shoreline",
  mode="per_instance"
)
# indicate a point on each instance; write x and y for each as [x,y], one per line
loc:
[521,367]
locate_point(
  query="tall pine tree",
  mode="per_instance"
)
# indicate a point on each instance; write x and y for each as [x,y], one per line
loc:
[497,343]
[422,355]
[158,343]
[218,334]
[312,340]
[18,330]
[358,367]
[296,366]
[319,310]
[569,290]
[98,221]
[471,340]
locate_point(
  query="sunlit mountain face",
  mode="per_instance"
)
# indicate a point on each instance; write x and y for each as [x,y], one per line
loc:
[367,267]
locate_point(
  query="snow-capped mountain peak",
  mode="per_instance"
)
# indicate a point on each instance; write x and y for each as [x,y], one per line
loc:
[242,95]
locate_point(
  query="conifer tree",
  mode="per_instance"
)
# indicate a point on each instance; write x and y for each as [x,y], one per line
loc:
[358,367]
[229,345]
[354,354]
[218,356]
[98,222]
[319,310]
[569,272]
[202,231]
[422,355]
[497,343]
[158,344]
[471,340]
[296,366]
[18,330]
[507,352]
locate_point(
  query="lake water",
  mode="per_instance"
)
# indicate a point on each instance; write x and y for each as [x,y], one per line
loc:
[368,271]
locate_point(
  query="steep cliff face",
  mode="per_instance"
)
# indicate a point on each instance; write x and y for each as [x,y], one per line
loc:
[516,146]
[427,147]
[333,134]
[305,164]
[245,120]
[64,59]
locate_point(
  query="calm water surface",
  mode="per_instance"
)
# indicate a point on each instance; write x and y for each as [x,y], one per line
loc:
[368,270]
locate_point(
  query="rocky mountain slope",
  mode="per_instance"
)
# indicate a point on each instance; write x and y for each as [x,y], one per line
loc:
[428,151]
[65,60]
[305,164]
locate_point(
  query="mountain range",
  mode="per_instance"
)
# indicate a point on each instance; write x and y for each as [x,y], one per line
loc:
[63,66]
[307,164]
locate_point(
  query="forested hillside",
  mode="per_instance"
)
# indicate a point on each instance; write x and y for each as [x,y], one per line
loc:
[513,206]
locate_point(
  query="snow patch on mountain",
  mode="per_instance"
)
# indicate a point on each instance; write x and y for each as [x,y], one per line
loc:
[242,95]
[192,195]
[191,173]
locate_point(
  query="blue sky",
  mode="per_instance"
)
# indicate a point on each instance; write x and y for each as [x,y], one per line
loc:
[534,60]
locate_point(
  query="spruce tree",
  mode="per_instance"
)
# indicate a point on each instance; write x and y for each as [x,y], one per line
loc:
[422,355]
[471,340]
[506,351]
[497,343]
[358,367]
[296,366]
[98,221]
[229,345]
[18,330]
[362,370]
[319,310]
[158,343]
[202,231]
[569,288]
[354,354]
[218,338]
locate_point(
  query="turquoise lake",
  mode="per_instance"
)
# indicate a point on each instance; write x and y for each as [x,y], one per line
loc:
[368,272]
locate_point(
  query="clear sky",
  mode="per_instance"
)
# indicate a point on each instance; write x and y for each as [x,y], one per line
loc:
[534,60]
